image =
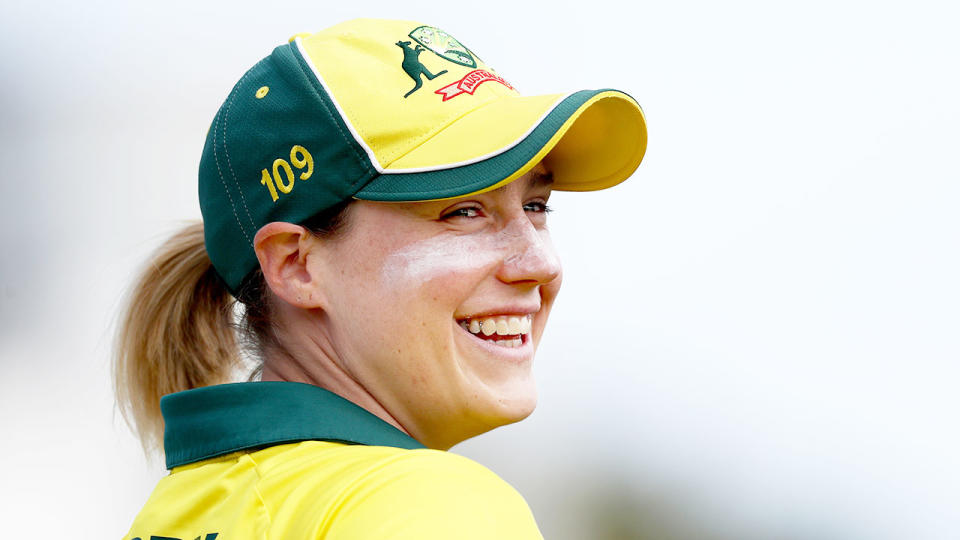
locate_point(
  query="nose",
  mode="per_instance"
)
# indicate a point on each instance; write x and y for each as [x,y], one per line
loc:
[530,255]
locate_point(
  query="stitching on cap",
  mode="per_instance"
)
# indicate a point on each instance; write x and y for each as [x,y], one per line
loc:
[216,159]
[351,142]
[233,174]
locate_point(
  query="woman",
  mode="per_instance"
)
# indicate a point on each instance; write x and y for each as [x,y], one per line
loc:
[390,251]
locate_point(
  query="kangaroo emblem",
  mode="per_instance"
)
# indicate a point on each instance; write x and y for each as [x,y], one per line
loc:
[414,68]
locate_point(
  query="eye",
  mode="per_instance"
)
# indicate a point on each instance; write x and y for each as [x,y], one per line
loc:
[538,207]
[464,212]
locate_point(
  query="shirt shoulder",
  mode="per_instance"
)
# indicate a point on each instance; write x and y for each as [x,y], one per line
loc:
[356,492]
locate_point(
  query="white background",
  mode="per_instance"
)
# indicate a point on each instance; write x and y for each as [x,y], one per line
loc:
[758,333]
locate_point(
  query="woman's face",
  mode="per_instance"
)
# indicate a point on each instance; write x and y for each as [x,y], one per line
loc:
[436,308]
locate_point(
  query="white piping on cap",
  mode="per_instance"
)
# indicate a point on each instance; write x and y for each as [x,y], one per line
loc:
[343,115]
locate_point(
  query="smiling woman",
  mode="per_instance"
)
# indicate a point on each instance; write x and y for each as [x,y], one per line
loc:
[391,253]
[378,311]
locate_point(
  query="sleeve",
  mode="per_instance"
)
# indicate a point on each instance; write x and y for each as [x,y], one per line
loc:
[431,495]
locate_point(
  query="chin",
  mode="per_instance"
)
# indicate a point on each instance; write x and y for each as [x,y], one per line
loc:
[479,418]
[510,408]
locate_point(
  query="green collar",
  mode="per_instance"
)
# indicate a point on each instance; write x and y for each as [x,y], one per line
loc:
[215,420]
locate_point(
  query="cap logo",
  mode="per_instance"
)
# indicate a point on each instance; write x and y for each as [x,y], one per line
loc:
[469,83]
[447,47]
[443,45]
[414,68]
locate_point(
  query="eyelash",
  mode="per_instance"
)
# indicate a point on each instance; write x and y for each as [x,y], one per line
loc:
[542,208]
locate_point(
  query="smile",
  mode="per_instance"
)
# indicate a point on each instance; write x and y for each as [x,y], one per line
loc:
[505,331]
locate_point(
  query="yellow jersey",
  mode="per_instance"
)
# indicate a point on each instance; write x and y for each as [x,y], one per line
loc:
[266,460]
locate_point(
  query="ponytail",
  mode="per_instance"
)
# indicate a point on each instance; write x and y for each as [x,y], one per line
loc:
[179,331]
[175,333]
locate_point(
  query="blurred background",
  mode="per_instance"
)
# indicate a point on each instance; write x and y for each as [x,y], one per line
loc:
[758,333]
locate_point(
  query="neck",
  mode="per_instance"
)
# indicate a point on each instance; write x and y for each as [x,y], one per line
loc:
[309,357]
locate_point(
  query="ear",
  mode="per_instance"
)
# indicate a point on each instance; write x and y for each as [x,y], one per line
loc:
[283,250]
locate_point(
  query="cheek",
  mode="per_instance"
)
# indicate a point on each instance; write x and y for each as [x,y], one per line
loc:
[550,290]
[413,292]
[440,263]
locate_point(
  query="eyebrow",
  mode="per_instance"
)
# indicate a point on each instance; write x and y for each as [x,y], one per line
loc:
[542,179]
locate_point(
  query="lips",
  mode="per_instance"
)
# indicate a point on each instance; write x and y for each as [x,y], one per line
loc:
[504,330]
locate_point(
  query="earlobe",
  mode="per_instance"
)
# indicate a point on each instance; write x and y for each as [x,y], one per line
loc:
[284,250]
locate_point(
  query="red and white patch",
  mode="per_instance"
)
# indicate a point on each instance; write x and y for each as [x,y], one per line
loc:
[469,83]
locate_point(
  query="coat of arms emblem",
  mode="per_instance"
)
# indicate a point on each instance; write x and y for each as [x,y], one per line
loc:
[443,45]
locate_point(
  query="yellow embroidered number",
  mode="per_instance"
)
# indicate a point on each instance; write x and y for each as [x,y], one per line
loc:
[281,185]
[267,181]
[300,158]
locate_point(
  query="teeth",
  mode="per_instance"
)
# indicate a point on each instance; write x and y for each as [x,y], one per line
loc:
[502,326]
[509,343]
[489,326]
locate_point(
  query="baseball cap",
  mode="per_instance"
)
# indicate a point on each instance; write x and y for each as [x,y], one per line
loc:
[387,110]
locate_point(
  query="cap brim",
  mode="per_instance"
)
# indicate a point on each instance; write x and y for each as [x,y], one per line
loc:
[589,140]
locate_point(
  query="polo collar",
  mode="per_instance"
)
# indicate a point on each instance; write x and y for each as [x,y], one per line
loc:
[215,420]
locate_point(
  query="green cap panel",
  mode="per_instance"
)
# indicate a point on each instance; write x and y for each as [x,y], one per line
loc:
[277,117]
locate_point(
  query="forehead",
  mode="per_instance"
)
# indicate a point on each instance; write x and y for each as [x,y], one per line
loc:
[539,178]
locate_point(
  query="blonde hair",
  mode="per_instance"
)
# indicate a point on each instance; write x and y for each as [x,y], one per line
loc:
[175,333]
[180,329]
